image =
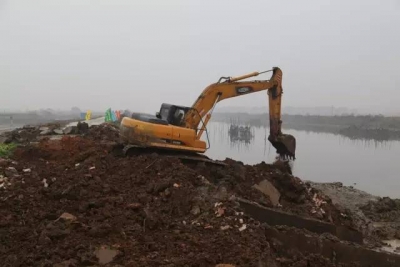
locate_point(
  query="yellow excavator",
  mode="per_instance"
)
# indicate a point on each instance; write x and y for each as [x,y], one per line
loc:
[179,129]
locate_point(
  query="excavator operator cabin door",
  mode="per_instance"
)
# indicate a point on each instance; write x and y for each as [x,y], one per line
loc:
[178,132]
[165,131]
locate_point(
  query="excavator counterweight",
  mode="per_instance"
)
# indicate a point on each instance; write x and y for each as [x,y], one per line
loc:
[178,129]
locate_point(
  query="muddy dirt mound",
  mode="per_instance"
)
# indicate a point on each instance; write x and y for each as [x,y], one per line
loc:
[104,132]
[274,186]
[384,210]
[28,134]
[385,215]
[148,211]
[22,135]
[71,202]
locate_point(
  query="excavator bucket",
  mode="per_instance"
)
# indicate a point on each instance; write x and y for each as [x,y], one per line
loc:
[285,146]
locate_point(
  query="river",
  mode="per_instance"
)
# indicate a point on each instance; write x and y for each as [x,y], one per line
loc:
[371,166]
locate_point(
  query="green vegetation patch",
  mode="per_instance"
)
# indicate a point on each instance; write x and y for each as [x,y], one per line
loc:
[6,150]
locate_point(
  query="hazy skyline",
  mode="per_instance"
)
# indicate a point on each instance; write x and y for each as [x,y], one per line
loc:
[139,54]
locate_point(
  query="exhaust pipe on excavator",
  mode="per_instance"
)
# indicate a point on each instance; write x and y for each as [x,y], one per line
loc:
[285,145]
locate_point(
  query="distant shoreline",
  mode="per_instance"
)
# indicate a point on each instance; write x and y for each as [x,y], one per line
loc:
[11,119]
[20,120]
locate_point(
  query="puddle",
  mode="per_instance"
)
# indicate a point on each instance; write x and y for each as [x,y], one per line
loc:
[391,246]
[106,254]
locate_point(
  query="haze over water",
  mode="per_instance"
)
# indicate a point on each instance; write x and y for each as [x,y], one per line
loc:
[367,165]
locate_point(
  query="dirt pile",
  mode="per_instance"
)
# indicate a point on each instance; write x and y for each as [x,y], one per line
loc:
[28,134]
[151,211]
[294,196]
[384,210]
[22,135]
[104,132]
[71,202]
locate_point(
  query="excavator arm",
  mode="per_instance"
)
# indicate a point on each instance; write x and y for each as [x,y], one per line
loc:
[233,87]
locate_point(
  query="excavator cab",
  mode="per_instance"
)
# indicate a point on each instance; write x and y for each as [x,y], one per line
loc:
[172,114]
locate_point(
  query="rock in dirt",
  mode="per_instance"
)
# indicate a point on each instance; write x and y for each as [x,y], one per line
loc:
[195,210]
[71,130]
[67,217]
[58,131]
[45,131]
[222,193]
[269,190]
[106,254]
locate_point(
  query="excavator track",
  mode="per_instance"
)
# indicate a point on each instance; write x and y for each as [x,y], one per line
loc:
[134,150]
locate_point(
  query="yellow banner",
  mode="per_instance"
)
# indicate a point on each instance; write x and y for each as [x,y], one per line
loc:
[88,115]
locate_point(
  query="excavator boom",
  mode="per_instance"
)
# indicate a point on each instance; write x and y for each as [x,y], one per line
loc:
[234,87]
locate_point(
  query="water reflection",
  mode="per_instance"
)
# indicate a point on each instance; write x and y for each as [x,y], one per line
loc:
[240,134]
[359,127]
[321,157]
[366,143]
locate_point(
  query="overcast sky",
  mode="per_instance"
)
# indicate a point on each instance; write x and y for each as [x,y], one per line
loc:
[139,54]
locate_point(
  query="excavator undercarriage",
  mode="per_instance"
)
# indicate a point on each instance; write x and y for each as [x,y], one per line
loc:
[132,150]
[139,143]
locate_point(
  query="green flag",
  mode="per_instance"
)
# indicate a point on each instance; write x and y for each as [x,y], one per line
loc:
[108,115]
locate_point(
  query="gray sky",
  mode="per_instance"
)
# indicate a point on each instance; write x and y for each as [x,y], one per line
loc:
[138,54]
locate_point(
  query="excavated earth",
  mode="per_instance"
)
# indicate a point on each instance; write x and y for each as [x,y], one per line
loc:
[78,202]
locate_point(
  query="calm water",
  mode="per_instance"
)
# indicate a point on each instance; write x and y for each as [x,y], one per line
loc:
[367,165]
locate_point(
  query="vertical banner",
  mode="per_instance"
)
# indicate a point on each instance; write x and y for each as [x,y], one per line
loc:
[118,114]
[108,115]
[88,115]
[113,117]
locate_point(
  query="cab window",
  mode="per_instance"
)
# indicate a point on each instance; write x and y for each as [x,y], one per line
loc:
[164,113]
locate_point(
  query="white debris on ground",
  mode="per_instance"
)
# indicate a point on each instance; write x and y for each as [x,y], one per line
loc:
[226,218]
[242,228]
[318,203]
[10,175]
